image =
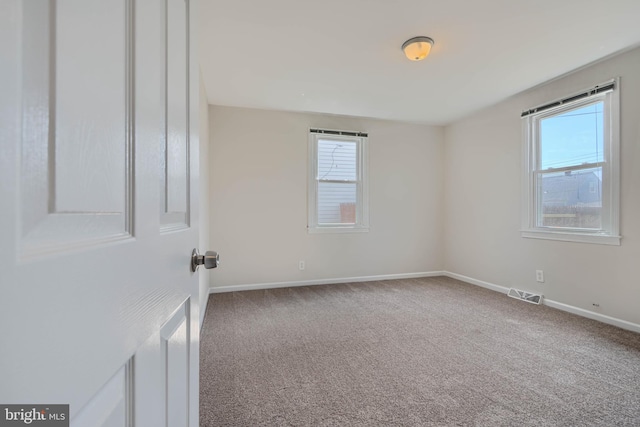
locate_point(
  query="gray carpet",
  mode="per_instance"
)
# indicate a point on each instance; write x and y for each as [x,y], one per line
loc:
[418,352]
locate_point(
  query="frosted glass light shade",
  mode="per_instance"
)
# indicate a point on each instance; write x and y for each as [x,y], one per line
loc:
[417,48]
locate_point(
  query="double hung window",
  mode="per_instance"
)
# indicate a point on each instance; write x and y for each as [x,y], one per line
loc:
[337,181]
[571,168]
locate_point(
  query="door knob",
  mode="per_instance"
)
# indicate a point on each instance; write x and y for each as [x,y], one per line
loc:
[210,259]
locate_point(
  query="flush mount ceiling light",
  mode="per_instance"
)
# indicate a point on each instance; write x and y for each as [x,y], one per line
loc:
[417,48]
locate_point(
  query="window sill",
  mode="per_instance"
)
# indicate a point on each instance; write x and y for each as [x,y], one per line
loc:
[565,236]
[324,230]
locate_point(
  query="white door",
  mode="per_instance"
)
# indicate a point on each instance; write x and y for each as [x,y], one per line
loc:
[98,193]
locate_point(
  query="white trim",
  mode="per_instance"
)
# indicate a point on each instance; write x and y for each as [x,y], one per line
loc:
[624,324]
[610,235]
[572,237]
[341,229]
[477,282]
[203,310]
[274,285]
[614,156]
[362,185]
[593,315]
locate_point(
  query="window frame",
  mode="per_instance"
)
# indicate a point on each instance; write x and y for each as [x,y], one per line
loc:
[609,233]
[361,224]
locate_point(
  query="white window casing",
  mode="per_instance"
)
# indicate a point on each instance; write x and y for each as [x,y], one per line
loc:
[338,193]
[532,224]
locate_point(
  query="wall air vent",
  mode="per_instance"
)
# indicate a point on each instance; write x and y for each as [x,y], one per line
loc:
[525,296]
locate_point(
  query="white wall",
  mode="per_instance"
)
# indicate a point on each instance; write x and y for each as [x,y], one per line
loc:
[204,275]
[258,162]
[482,176]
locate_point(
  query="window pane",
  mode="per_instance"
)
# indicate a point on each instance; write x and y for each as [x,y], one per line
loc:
[570,199]
[336,160]
[572,138]
[336,203]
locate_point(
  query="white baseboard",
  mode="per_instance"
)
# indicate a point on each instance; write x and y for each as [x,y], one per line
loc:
[554,304]
[476,282]
[492,286]
[203,310]
[593,315]
[273,285]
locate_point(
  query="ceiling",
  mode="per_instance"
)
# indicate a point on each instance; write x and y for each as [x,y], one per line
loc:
[343,56]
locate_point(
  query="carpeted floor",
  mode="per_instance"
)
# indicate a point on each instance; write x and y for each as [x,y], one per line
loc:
[417,352]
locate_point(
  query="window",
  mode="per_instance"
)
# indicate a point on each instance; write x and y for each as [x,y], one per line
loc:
[338,195]
[572,168]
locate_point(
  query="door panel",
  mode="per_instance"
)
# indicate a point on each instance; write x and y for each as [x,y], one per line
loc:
[73,174]
[175,185]
[175,347]
[88,278]
[112,406]
[91,143]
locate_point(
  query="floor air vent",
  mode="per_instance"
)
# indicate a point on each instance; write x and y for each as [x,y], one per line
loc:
[525,296]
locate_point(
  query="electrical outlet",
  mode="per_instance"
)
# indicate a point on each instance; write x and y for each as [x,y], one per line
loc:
[300,265]
[540,276]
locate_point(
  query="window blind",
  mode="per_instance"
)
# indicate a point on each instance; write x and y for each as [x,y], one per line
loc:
[601,88]
[338,132]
